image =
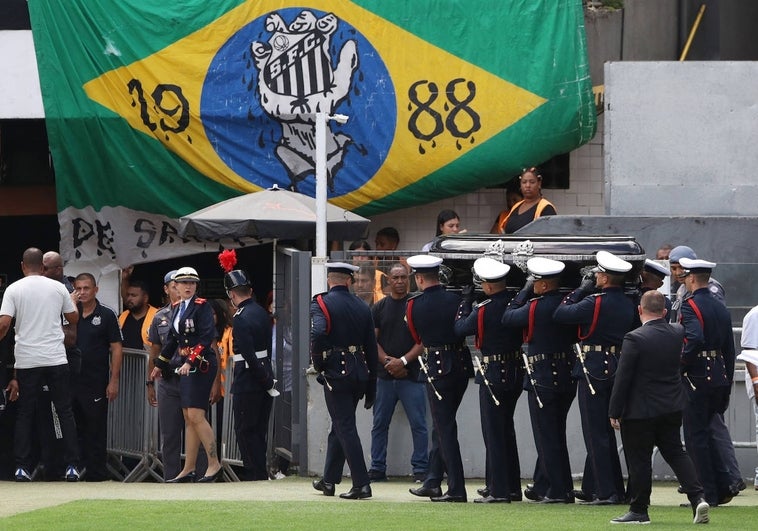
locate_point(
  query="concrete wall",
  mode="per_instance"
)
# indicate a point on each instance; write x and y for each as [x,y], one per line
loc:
[20,95]
[739,418]
[681,138]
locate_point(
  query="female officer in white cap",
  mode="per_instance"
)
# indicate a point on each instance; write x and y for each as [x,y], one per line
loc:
[192,333]
[549,384]
[603,319]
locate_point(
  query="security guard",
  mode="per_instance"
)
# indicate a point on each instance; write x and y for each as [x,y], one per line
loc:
[551,390]
[708,369]
[603,318]
[343,351]
[500,380]
[446,365]
[253,389]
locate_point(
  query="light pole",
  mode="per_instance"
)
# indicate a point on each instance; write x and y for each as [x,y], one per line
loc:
[318,262]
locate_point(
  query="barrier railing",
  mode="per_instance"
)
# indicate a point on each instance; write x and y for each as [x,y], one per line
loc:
[133,424]
[230,453]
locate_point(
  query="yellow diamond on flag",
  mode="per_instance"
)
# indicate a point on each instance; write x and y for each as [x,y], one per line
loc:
[444,106]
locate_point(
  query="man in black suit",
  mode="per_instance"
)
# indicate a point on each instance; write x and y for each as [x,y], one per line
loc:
[646,404]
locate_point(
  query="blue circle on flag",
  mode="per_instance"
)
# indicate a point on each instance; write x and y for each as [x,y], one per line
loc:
[264,86]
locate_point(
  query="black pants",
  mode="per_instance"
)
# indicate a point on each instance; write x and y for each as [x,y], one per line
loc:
[552,477]
[251,413]
[502,462]
[91,415]
[343,442]
[639,437]
[30,382]
[600,441]
[446,451]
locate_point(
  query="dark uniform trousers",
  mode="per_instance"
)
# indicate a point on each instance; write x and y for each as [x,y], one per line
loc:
[600,440]
[702,405]
[499,436]
[445,455]
[552,475]
[344,442]
[251,414]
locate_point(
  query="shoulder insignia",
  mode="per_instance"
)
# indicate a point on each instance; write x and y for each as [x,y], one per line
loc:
[200,300]
[319,294]
[414,295]
[175,304]
[483,303]
[713,288]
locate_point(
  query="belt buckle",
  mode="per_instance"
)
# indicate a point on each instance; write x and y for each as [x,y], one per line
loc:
[352,349]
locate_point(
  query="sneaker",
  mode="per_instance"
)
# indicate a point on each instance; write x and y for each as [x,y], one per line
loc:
[632,518]
[376,476]
[701,513]
[72,474]
[22,474]
[419,477]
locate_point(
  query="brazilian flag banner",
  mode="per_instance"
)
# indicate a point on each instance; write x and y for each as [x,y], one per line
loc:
[155,110]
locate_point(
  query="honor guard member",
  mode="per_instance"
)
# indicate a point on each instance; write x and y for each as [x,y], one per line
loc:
[678,288]
[720,437]
[549,359]
[603,318]
[192,332]
[708,369]
[651,278]
[446,366]
[343,351]
[500,379]
[163,387]
[253,382]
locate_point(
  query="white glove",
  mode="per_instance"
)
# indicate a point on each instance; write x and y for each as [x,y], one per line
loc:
[273,392]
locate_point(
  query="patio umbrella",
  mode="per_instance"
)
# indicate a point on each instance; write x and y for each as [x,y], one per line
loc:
[273,213]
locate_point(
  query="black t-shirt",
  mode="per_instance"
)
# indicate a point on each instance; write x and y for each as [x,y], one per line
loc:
[517,221]
[132,332]
[394,336]
[94,335]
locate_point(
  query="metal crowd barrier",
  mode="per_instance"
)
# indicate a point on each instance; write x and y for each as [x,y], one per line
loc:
[230,452]
[133,424]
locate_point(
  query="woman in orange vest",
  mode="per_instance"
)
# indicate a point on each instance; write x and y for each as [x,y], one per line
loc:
[528,209]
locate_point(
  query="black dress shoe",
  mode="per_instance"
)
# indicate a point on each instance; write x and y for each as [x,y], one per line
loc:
[323,486]
[492,499]
[357,493]
[738,487]
[483,492]
[632,518]
[515,496]
[581,495]
[376,476]
[212,478]
[612,500]
[557,500]
[426,492]
[449,498]
[531,494]
[188,478]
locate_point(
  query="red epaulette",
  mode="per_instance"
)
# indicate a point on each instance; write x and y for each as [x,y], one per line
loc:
[200,300]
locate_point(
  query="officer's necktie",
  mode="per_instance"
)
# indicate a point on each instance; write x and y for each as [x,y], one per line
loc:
[182,309]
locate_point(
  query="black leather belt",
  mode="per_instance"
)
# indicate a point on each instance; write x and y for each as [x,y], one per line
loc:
[352,349]
[510,356]
[542,357]
[455,346]
[598,348]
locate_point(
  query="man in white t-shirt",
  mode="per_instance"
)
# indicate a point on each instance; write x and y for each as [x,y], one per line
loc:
[36,303]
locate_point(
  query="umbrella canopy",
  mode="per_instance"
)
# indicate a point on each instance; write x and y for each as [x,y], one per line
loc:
[272,213]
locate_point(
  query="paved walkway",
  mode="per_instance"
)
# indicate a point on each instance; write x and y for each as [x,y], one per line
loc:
[22,497]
